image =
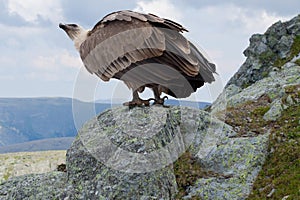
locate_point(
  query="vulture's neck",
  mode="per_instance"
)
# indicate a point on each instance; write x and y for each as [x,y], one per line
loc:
[80,38]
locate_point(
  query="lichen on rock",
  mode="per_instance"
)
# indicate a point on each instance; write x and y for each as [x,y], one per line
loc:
[130,154]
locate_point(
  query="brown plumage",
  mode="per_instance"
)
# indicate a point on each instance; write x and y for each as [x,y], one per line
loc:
[143,50]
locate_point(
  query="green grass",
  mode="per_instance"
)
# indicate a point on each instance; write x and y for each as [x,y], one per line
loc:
[296,46]
[248,117]
[187,172]
[8,173]
[281,170]
[267,57]
[295,50]
[260,111]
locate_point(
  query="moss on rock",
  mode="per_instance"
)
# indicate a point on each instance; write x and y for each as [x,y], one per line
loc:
[281,170]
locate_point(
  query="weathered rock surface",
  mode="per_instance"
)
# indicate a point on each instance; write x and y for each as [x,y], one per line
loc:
[264,50]
[265,86]
[259,76]
[274,86]
[128,154]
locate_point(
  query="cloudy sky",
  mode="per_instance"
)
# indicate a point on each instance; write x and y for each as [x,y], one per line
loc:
[38,60]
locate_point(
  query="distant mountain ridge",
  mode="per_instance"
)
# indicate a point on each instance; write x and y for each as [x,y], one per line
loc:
[29,119]
[61,143]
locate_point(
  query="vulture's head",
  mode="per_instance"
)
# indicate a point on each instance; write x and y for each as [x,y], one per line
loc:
[76,33]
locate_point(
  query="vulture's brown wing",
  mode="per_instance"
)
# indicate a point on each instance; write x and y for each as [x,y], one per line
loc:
[118,41]
[125,38]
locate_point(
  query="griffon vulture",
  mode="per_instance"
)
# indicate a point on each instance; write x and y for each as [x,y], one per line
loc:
[143,50]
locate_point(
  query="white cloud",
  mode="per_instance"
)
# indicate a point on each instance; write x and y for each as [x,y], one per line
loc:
[56,61]
[7,78]
[249,19]
[20,32]
[69,60]
[224,30]
[38,76]
[32,10]
[162,8]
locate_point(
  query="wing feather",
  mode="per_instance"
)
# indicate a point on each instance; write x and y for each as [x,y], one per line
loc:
[124,39]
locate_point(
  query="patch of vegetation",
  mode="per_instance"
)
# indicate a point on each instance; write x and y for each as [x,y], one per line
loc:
[281,61]
[187,171]
[290,88]
[297,62]
[61,167]
[267,57]
[265,74]
[260,111]
[245,85]
[293,92]
[8,172]
[295,50]
[248,118]
[281,171]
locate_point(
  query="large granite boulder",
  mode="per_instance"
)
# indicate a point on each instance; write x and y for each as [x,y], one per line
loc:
[129,154]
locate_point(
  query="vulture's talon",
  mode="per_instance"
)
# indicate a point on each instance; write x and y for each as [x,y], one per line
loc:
[161,101]
[139,103]
[148,100]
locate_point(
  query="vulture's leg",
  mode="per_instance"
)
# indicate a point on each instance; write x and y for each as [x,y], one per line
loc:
[157,94]
[137,101]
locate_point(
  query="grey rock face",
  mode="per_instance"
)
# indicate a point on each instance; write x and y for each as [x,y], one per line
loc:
[129,154]
[272,86]
[38,186]
[237,161]
[274,112]
[258,77]
[264,50]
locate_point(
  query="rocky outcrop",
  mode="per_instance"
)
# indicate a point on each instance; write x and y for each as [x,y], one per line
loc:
[129,154]
[272,69]
[276,87]
[262,98]
[266,53]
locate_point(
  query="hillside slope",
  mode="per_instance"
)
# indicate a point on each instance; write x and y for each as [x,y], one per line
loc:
[263,98]
[28,119]
[61,143]
[21,163]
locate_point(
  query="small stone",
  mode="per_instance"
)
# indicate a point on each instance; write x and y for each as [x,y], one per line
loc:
[274,112]
[290,100]
[279,139]
[285,197]
[249,120]
[271,193]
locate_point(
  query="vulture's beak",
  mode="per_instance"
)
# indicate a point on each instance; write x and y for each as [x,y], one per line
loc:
[62,26]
